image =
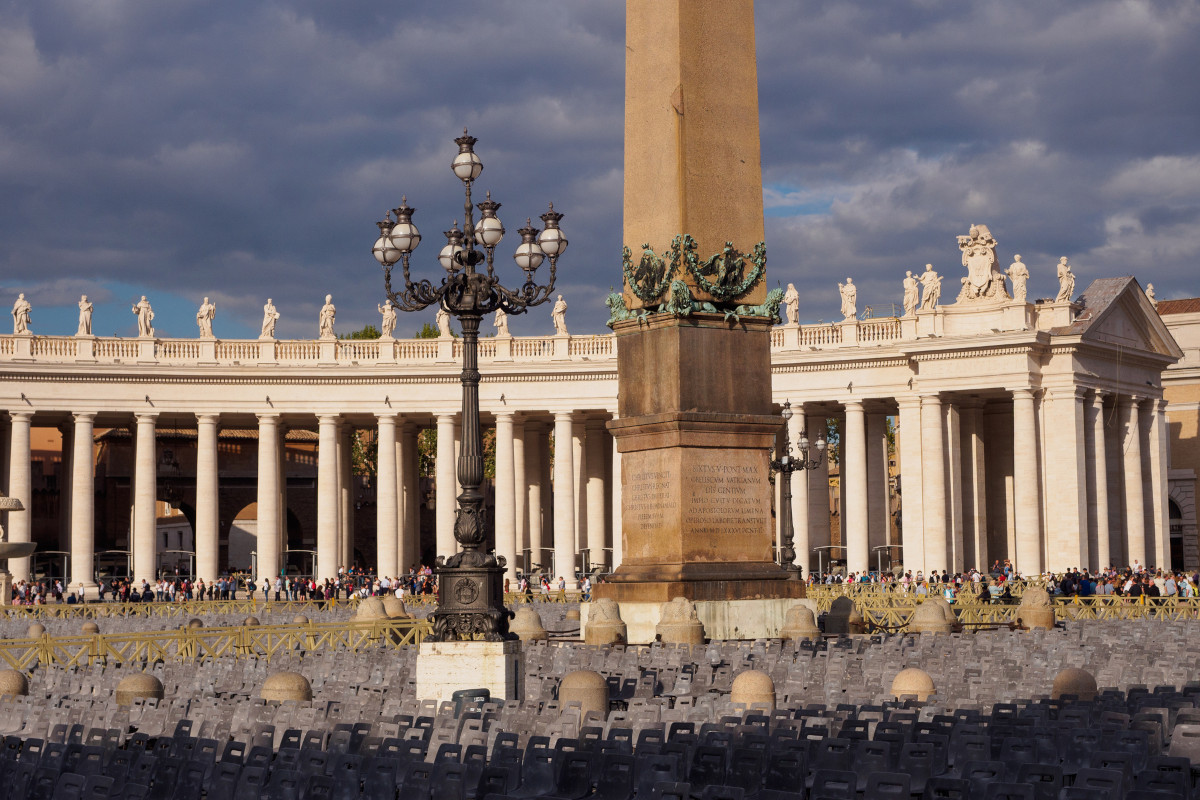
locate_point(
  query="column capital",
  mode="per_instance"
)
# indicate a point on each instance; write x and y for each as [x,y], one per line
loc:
[268,419]
[84,416]
[507,415]
[1067,392]
[909,401]
[855,405]
[931,398]
[389,418]
[564,416]
[1160,405]
[23,415]
[329,419]
[446,418]
[1023,394]
[1126,400]
[208,419]
[145,416]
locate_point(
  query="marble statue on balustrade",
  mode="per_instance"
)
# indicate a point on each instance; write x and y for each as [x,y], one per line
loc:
[791,301]
[559,316]
[931,288]
[205,317]
[501,323]
[388,324]
[849,293]
[983,282]
[1151,296]
[328,313]
[20,315]
[911,293]
[270,317]
[145,315]
[85,316]
[1066,282]
[1019,274]
[442,318]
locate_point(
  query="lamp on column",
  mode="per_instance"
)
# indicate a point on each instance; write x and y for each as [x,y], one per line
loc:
[810,456]
[470,582]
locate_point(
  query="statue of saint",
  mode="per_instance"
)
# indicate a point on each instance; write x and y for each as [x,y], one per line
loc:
[931,285]
[389,319]
[1151,296]
[270,317]
[328,312]
[85,317]
[502,323]
[559,316]
[145,316]
[1020,278]
[442,318]
[849,294]
[1066,282]
[791,301]
[204,318]
[20,314]
[911,294]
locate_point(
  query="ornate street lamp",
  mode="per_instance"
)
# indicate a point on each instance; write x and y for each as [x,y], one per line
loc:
[470,582]
[785,465]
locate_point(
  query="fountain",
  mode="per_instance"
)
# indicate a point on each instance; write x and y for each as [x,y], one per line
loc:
[10,549]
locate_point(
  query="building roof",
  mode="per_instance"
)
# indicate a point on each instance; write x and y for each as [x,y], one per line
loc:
[1188,305]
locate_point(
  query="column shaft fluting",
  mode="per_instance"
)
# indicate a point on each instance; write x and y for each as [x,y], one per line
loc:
[83,518]
[207,498]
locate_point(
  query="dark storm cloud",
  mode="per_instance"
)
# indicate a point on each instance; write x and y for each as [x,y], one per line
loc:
[244,150]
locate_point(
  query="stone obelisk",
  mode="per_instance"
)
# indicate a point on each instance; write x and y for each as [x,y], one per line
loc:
[695,420]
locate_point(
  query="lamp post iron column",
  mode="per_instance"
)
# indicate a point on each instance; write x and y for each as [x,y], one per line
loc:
[470,582]
[784,466]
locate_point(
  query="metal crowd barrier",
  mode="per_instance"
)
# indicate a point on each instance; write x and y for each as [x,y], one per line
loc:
[186,644]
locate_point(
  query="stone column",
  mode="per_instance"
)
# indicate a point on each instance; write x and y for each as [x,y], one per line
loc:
[1066,472]
[877,485]
[1135,503]
[1026,485]
[64,497]
[268,544]
[328,553]
[975,491]
[854,488]
[445,485]
[145,491]
[520,494]
[818,495]
[618,543]
[408,489]
[1097,458]
[1160,552]
[596,491]
[207,498]
[346,494]
[564,498]
[83,517]
[912,514]
[952,428]
[535,446]
[505,488]
[387,505]
[933,483]
[20,486]
[579,468]
[800,480]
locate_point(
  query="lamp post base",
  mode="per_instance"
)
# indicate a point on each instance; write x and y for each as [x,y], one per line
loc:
[471,605]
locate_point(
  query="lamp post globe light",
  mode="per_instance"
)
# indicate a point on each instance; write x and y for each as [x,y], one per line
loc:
[809,458]
[470,582]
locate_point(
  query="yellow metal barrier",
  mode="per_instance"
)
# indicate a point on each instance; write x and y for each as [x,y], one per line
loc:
[259,641]
[164,609]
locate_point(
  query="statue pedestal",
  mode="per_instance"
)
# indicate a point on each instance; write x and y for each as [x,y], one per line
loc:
[695,432]
[444,668]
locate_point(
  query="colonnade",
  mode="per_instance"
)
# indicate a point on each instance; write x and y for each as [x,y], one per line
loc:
[1049,478]
[526,531]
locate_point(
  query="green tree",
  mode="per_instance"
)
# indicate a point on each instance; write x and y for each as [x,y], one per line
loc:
[364,453]
[368,331]
[427,332]
[833,438]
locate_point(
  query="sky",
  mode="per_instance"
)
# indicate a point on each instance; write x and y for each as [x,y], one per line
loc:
[244,150]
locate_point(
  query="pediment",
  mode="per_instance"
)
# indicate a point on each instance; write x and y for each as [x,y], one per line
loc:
[1129,321]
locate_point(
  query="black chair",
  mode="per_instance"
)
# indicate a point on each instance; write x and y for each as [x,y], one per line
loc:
[1002,790]
[946,788]
[832,784]
[1105,784]
[881,785]
[653,769]
[1046,779]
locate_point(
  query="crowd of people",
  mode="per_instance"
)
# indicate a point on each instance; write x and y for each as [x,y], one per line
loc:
[1134,581]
